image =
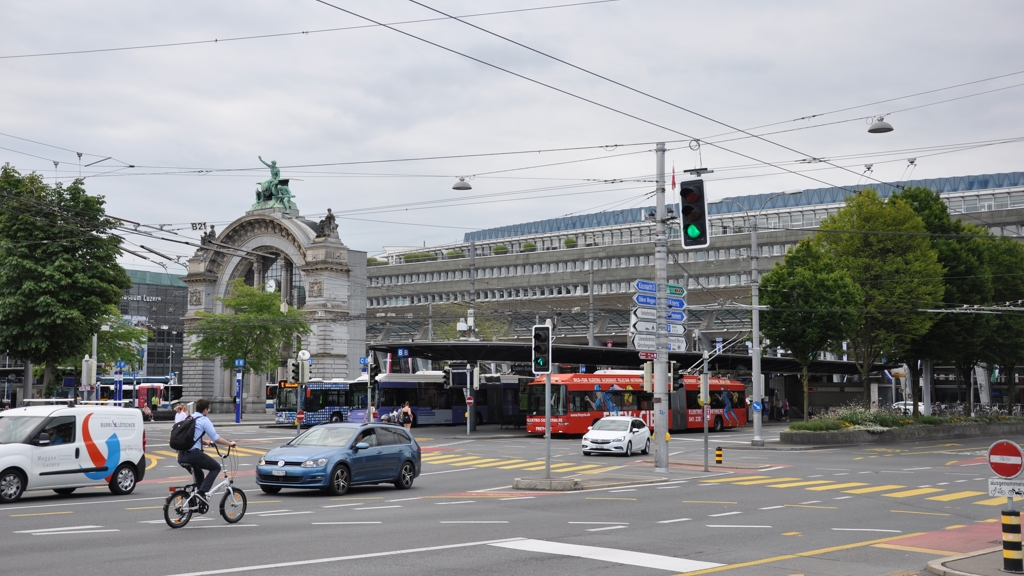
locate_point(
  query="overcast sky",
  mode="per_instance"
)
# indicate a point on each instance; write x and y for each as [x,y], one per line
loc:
[192,119]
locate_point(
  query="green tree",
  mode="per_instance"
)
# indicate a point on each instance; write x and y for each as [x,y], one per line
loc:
[255,331]
[812,306]
[959,339]
[1005,346]
[58,268]
[882,246]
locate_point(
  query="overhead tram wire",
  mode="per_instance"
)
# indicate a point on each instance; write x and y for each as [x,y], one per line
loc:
[627,87]
[573,95]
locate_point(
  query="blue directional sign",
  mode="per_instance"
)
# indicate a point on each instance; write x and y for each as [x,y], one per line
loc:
[403,352]
[645,299]
[645,286]
[676,302]
[121,364]
[756,406]
[363,361]
[239,362]
[675,316]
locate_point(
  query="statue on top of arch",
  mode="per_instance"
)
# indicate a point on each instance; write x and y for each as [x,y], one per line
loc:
[274,193]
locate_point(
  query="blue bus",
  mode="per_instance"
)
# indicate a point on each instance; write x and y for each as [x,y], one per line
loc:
[323,401]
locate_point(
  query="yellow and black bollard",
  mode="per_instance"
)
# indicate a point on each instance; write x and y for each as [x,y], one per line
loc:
[718,460]
[1012,560]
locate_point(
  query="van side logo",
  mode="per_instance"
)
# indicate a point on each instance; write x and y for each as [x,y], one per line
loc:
[98,461]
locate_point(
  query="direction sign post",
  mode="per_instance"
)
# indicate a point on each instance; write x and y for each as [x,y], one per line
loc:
[648,355]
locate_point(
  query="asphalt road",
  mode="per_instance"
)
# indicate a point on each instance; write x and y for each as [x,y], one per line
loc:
[853,510]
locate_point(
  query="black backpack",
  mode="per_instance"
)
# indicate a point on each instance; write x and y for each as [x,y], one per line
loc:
[183,435]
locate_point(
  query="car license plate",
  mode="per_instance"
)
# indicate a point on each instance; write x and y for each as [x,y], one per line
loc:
[278,473]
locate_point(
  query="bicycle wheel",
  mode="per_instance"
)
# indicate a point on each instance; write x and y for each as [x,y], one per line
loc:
[232,505]
[177,512]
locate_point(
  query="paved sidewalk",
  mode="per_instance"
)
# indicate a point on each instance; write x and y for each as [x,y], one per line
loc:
[988,562]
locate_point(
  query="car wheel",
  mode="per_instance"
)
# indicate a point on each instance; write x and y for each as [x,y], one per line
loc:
[340,479]
[405,476]
[12,486]
[719,426]
[63,491]
[629,448]
[647,447]
[270,489]
[123,480]
[336,417]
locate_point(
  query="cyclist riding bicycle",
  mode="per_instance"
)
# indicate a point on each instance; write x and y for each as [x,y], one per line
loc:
[195,458]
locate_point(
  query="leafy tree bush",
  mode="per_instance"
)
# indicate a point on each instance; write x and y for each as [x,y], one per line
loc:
[571,243]
[453,254]
[529,247]
[419,257]
[500,249]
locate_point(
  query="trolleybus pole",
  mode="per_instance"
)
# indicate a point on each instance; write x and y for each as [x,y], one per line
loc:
[547,425]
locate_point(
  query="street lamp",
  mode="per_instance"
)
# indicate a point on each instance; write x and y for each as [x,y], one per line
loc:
[755,319]
[462,184]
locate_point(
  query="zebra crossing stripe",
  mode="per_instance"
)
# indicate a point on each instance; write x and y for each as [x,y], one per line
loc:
[871,489]
[498,463]
[765,481]
[915,492]
[838,486]
[956,496]
[798,484]
[733,479]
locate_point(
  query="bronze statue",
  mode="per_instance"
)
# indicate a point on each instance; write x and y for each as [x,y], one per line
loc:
[274,193]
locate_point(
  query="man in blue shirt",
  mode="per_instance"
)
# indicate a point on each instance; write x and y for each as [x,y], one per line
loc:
[194,456]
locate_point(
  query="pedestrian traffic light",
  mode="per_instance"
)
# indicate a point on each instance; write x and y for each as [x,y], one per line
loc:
[303,371]
[446,377]
[694,209]
[648,376]
[293,371]
[542,349]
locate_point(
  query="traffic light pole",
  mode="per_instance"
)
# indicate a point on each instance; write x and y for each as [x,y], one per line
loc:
[661,334]
[547,426]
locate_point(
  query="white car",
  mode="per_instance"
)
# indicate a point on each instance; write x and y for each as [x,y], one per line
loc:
[906,407]
[617,435]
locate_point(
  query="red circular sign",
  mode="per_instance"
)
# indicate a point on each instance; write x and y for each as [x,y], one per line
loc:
[469,401]
[1006,459]
[300,416]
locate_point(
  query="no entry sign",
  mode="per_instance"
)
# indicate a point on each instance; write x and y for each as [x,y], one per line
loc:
[469,401]
[1006,459]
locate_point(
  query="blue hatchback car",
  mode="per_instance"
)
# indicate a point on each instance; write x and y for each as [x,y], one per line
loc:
[333,457]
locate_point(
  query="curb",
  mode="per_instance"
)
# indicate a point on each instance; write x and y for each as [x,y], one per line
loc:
[937,566]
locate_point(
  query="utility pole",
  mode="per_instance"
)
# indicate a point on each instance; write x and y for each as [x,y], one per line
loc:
[591,340]
[470,316]
[661,334]
[755,320]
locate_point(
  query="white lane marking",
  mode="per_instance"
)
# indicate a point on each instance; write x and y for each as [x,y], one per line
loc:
[343,558]
[73,532]
[344,505]
[842,474]
[925,486]
[867,530]
[56,529]
[405,499]
[271,511]
[734,526]
[816,476]
[459,502]
[222,526]
[446,471]
[943,484]
[492,489]
[378,507]
[604,554]
[843,498]
[341,523]
[724,514]
[958,481]
[284,513]
[7,509]
[474,521]
[673,521]
[929,467]
[614,523]
[811,502]
[771,508]
[667,487]
[605,528]
[626,490]
[770,469]
[674,453]
[450,444]
[518,498]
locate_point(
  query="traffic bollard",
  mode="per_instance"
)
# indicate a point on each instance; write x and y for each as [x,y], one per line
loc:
[718,455]
[1012,559]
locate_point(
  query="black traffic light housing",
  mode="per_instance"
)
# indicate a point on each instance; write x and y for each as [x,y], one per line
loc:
[372,371]
[293,371]
[693,221]
[446,377]
[542,349]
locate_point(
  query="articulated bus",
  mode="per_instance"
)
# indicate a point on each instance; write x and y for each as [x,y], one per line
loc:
[579,400]
[323,401]
[141,390]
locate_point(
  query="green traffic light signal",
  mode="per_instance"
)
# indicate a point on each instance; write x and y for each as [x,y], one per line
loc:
[693,231]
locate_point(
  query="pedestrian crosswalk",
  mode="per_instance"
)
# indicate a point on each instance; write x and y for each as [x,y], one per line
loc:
[513,463]
[895,491]
[161,454]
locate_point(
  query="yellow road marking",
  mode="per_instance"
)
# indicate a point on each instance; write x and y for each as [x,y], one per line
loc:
[921,513]
[956,496]
[808,506]
[838,486]
[522,465]
[152,462]
[791,534]
[914,492]
[499,463]
[553,466]
[916,549]
[874,489]
[734,478]
[599,470]
[166,453]
[805,483]
[583,467]
[453,460]
[144,508]
[250,451]
[707,502]
[42,514]
[999,501]
[955,526]
[797,555]
[476,461]
[765,481]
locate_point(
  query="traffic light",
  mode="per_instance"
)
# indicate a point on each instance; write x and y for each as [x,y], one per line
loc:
[293,370]
[705,393]
[446,377]
[303,371]
[694,219]
[542,349]
[476,377]
[648,376]
[372,371]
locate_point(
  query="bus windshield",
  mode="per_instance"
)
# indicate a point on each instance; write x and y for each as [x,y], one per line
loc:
[536,400]
[15,429]
[286,399]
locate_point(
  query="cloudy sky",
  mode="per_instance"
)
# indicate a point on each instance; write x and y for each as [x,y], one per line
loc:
[377,123]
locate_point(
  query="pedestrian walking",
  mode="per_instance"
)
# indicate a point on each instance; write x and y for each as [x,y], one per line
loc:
[785,409]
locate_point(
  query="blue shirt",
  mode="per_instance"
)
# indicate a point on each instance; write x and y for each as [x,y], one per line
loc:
[203,426]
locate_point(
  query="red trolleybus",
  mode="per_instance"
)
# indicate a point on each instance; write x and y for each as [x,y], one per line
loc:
[579,400]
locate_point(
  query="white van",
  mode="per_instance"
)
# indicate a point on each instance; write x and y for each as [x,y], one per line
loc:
[61,448]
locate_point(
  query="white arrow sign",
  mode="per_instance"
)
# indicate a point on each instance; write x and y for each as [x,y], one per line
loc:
[676,329]
[676,341]
[644,326]
[644,342]
[645,314]
[677,347]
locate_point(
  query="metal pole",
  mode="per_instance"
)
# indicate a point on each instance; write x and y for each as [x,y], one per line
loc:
[706,407]
[96,389]
[469,393]
[547,425]
[471,316]
[755,362]
[591,341]
[661,334]
[430,322]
